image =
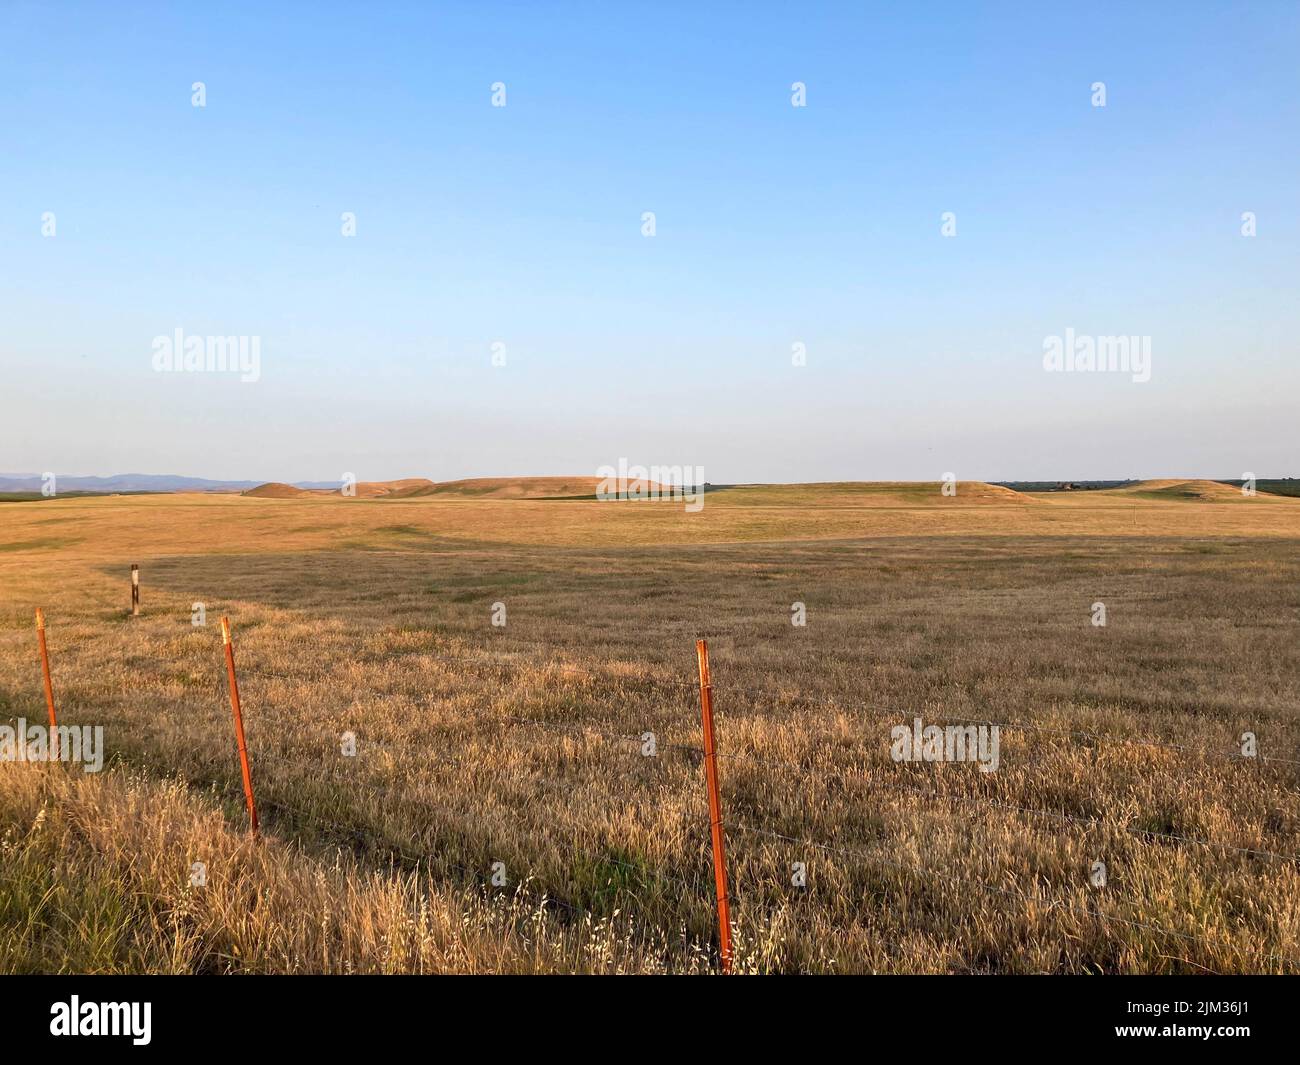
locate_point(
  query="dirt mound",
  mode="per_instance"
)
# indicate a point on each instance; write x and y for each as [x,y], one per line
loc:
[512,488]
[981,492]
[842,493]
[276,490]
[873,494]
[476,488]
[1173,490]
[364,489]
[405,487]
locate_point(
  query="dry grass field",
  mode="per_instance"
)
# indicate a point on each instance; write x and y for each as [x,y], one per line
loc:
[520,743]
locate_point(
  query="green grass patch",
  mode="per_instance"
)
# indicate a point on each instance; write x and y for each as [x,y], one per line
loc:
[602,880]
[45,543]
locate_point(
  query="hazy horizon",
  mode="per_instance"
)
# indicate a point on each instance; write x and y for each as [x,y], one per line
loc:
[722,482]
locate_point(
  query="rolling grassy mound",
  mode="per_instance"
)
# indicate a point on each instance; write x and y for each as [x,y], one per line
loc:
[1172,490]
[871,494]
[365,489]
[512,488]
[837,494]
[276,490]
[831,493]
[401,488]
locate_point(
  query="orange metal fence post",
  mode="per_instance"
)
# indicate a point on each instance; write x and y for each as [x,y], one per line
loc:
[715,806]
[49,687]
[239,724]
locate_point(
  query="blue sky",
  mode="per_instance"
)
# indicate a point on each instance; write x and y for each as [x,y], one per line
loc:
[774,225]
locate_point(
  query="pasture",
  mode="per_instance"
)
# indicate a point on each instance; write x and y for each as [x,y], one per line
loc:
[518,747]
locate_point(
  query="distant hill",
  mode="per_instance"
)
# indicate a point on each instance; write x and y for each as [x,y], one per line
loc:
[513,488]
[279,490]
[1166,488]
[1192,489]
[420,487]
[405,487]
[122,482]
[885,494]
[364,489]
[32,483]
[19,486]
[1278,486]
[1061,486]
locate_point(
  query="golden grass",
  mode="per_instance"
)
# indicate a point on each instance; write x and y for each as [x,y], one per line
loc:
[375,617]
[97,878]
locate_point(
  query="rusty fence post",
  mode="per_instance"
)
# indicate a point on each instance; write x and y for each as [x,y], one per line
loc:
[135,590]
[239,723]
[49,686]
[715,806]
